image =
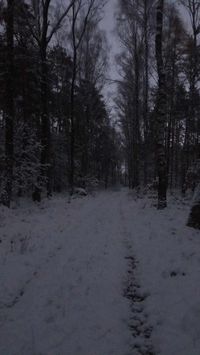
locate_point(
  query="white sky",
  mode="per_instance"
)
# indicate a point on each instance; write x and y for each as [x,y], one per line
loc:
[108,24]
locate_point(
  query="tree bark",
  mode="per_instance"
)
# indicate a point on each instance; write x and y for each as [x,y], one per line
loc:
[45,122]
[72,128]
[146,91]
[194,217]
[137,118]
[9,110]
[161,105]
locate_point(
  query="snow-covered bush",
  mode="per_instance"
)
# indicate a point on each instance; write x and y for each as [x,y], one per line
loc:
[80,191]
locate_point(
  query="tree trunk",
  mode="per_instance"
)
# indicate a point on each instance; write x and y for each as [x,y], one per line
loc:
[161,105]
[72,128]
[137,119]
[9,110]
[194,217]
[45,124]
[146,91]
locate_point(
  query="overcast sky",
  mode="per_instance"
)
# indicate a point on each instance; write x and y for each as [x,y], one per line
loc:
[108,24]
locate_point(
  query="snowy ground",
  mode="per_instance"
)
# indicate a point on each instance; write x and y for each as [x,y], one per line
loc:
[105,274]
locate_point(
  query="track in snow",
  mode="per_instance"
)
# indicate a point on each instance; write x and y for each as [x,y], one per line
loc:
[72,302]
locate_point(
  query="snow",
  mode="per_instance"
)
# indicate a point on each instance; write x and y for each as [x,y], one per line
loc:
[71,276]
[65,267]
[80,191]
[169,268]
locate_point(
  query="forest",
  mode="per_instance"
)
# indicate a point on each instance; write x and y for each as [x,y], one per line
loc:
[99,177]
[55,127]
[57,131]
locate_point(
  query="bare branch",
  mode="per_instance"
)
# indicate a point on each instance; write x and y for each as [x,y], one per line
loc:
[92,2]
[57,25]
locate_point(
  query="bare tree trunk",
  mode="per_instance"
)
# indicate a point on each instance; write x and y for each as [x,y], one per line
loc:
[191,146]
[194,217]
[137,118]
[146,91]
[45,122]
[161,103]
[10,111]
[72,130]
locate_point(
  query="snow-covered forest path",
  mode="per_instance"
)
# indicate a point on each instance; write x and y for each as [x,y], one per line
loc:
[70,300]
[90,277]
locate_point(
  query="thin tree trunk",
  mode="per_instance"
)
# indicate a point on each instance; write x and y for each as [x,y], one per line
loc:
[146,92]
[45,124]
[10,110]
[137,128]
[72,128]
[194,217]
[161,103]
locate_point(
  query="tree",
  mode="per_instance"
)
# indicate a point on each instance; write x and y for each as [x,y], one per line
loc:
[82,11]
[131,36]
[194,216]
[92,69]
[45,101]
[9,107]
[42,32]
[134,29]
[174,38]
[160,114]
[146,10]
[191,146]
